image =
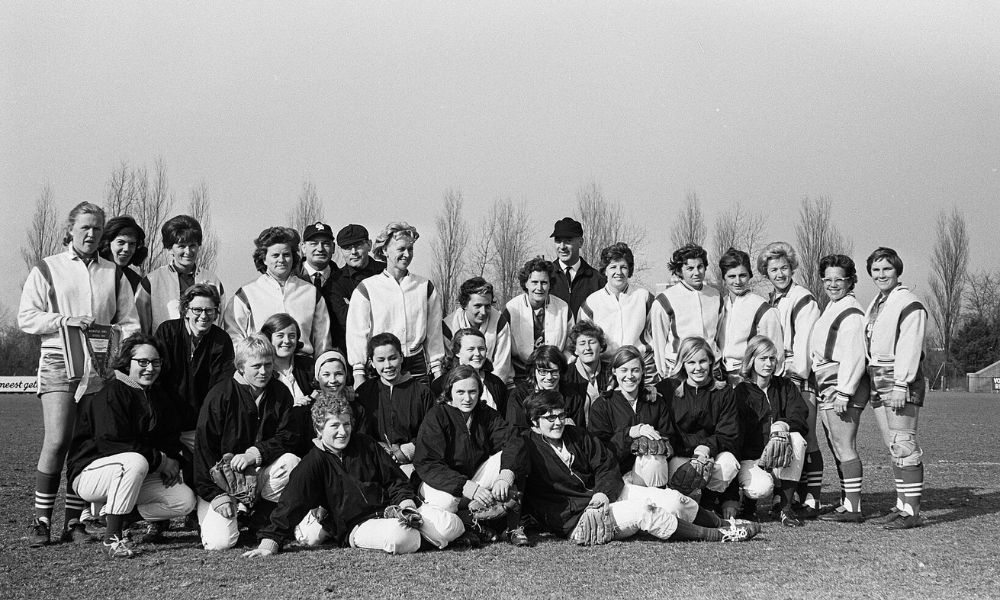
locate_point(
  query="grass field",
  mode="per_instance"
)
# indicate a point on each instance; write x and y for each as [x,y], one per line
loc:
[956,555]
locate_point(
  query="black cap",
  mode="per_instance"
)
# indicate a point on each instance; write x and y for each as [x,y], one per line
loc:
[352,234]
[567,227]
[317,229]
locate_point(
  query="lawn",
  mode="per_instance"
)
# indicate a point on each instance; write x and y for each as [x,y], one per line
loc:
[954,556]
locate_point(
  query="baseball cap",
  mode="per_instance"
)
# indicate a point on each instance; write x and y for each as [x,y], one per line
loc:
[317,229]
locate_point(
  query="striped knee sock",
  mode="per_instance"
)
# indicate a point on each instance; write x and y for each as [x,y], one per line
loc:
[811,483]
[850,481]
[840,476]
[74,505]
[911,486]
[46,486]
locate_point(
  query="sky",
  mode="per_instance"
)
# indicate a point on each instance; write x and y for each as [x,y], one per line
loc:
[891,110]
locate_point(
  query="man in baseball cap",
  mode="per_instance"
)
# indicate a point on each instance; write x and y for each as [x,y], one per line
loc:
[575,279]
[317,247]
[355,244]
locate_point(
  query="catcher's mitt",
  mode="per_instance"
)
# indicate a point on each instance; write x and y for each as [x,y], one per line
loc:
[692,475]
[596,526]
[494,510]
[241,487]
[407,516]
[642,446]
[777,453]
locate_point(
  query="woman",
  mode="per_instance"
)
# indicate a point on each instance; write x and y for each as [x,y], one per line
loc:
[631,411]
[744,314]
[475,300]
[688,308]
[536,317]
[333,377]
[772,423]
[798,311]
[704,424]
[399,302]
[294,370]
[547,365]
[837,353]
[466,453]
[621,310]
[158,296]
[587,377]
[126,449]
[68,290]
[124,243]
[896,320]
[469,347]
[279,290]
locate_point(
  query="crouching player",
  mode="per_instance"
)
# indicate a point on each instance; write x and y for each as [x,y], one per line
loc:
[574,482]
[349,491]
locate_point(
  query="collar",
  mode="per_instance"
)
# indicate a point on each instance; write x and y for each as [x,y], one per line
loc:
[580,369]
[173,269]
[311,271]
[575,266]
[524,297]
[74,255]
[132,383]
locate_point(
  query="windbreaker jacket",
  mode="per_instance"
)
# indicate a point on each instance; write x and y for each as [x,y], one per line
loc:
[624,318]
[798,311]
[158,297]
[679,312]
[742,318]
[837,348]
[757,412]
[395,412]
[703,416]
[497,332]
[611,417]
[263,297]
[341,289]
[519,314]
[896,334]
[189,376]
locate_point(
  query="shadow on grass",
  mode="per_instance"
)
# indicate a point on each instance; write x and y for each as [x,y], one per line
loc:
[944,505]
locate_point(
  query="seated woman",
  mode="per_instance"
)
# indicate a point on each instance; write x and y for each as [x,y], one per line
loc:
[332,376]
[772,431]
[293,369]
[467,453]
[571,472]
[704,422]
[587,377]
[249,416]
[546,366]
[744,314]
[124,243]
[631,411]
[395,401]
[536,317]
[348,491]
[125,451]
[475,311]
[469,348]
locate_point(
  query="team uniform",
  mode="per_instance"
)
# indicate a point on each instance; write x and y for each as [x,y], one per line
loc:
[585,281]
[743,317]
[263,297]
[341,289]
[680,312]
[516,417]
[612,419]
[624,319]
[395,412]
[531,328]
[158,297]
[134,278]
[497,332]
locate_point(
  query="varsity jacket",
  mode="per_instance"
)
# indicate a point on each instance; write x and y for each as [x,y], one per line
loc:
[837,348]
[394,413]
[134,278]
[895,332]
[519,314]
[253,303]
[679,312]
[450,449]
[798,311]
[63,285]
[188,373]
[123,417]
[758,411]
[497,332]
[557,494]
[341,289]
[624,318]
[353,488]
[233,420]
[518,418]
[742,318]
[585,282]
[410,309]
[496,389]
[612,416]
[703,416]
[158,297]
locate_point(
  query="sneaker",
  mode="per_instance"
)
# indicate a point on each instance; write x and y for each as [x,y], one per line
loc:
[842,515]
[469,539]
[887,517]
[40,534]
[119,547]
[739,531]
[517,538]
[155,532]
[76,533]
[904,521]
[790,519]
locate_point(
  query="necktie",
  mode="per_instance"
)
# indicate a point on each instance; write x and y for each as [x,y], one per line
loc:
[538,322]
[569,274]
[317,279]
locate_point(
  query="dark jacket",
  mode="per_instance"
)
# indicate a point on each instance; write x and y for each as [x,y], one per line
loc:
[448,453]
[122,417]
[302,372]
[231,421]
[327,293]
[341,289]
[353,488]
[494,384]
[517,417]
[574,382]
[556,494]
[611,418]
[394,414]
[585,283]
[757,413]
[701,416]
[188,377]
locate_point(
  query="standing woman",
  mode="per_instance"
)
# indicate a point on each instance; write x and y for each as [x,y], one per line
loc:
[295,370]
[895,331]
[536,317]
[475,300]
[399,302]
[73,288]
[469,347]
[837,353]
[279,290]
[124,243]
[744,314]
[798,311]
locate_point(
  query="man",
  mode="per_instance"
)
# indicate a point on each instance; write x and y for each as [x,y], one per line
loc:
[575,279]
[359,265]
[318,267]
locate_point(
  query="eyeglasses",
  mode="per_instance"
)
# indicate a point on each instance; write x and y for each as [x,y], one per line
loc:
[553,418]
[837,281]
[209,312]
[145,362]
[547,372]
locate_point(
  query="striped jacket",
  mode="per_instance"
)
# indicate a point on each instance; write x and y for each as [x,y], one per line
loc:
[679,312]
[624,318]
[837,348]
[497,332]
[742,318]
[158,297]
[798,311]
[895,334]
[263,297]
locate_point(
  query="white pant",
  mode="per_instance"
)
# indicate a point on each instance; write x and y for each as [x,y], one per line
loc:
[220,533]
[726,468]
[653,469]
[672,501]
[633,515]
[486,475]
[440,528]
[123,482]
[758,483]
[441,525]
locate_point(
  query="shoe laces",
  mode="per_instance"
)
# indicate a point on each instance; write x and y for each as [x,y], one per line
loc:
[735,533]
[118,547]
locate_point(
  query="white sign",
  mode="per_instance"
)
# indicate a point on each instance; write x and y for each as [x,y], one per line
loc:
[18,385]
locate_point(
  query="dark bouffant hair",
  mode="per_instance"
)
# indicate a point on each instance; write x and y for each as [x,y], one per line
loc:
[735,258]
[685,253]
[476,285]
[384,339]
[535,264]
[181,229]
[842,261]
[127,350]
[270,237]
[124,225]
[619,251]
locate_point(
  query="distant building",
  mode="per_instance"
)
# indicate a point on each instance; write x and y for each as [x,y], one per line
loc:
[985,380]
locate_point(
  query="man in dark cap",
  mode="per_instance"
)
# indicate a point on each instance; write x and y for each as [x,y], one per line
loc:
[358,265]
[575,279]
[317,265]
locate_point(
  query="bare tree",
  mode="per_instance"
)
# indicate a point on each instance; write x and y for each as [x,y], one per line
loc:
[816,236]
[949,269]
[739,228]
[130,192]
[198,207]
[449,248]
[509,246]
[982,297]
[689,228]
[308,209]
[44,236]
[605,222]
[482,250]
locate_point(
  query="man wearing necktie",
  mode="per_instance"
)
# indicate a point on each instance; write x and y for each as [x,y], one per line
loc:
[575,279]
[318,267]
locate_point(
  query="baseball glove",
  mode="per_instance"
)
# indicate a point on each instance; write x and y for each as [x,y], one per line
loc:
[408,517]
[494,510]
[241,487]
[642,446]
[777,453]
[692,475]
[396,453]
[596,526]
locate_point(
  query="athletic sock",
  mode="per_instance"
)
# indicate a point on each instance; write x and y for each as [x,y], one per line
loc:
[787,492]
[850,482]
[811,483]
[897,476]
[687,532]
[46,487]
[913,488]
[116,524]
[74,505]
[840,476]
[707,518]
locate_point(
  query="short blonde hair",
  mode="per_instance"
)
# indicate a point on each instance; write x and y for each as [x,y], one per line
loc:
[255,345]
[758,344]
[393,231]
[688,348]
[774,251]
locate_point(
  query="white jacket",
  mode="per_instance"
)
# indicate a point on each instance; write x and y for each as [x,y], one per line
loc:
[837,356]
[742,318]
[158,296]
[497,332]
[624,318]
[520,316]
[680,312]
[798,311]
[896,334]
[263,297]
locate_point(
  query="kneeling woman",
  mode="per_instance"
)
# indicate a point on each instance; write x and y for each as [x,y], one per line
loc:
[571,473]
[467,453]
[772,430]
[357,490]
[546,369]
[126,448]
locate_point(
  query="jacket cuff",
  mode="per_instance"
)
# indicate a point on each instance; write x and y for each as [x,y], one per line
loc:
[703,450]
[269,544]
[157,461]
[779,427]
[901,386]
[507,476]
[220,500]
[407,504]
[254,453]
[409,449]
[469,489]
